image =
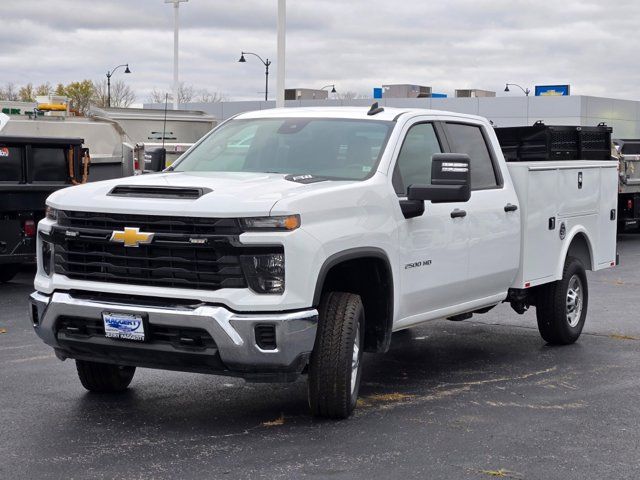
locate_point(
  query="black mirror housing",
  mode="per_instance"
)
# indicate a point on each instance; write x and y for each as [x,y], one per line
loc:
[450,180]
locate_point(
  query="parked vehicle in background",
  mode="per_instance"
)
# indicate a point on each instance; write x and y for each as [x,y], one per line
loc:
[628,154]
[290,241]
[31,168]
[117,137]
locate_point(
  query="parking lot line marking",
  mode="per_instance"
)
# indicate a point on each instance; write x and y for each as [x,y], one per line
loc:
[16,347]
[30,359]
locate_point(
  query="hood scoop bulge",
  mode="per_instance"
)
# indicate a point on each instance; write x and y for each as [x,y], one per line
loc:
[152,191]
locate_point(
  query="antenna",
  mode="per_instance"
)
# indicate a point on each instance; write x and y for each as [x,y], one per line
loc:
[375,109]
[164,125]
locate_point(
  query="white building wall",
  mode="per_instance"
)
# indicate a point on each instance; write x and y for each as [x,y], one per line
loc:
[622,115]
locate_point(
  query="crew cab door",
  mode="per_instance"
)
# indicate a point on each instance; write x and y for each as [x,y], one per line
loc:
[433,247]
[493,214]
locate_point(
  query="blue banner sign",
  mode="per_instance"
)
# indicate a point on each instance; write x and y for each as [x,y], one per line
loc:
[553,90]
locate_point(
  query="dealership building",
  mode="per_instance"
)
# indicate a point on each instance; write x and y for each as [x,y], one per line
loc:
[622,115]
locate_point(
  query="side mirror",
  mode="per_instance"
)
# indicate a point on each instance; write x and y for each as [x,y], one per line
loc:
[155,160]
[450,180]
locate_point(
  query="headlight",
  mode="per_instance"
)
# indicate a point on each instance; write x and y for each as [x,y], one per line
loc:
[52,213]
[265,273]
[286,222]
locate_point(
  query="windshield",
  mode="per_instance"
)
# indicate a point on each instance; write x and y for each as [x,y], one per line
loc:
[331,148]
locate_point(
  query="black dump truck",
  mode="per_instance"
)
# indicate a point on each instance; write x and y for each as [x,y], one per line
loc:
[31,168]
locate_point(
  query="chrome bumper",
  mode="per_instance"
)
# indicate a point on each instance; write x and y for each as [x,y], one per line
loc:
[233,333]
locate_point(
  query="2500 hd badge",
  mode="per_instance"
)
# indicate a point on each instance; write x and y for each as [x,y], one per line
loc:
[424,263]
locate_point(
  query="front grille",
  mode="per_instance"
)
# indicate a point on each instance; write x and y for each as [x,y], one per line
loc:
[188,253]
[151,223]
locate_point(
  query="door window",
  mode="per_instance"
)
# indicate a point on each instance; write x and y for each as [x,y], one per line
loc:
[470,140]
[414,161]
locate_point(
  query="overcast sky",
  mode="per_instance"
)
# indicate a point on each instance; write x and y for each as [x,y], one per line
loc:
[356,44]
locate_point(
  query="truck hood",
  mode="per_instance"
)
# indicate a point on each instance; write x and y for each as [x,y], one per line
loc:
[232,194]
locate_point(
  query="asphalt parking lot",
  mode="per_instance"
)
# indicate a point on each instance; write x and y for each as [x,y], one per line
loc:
[484,398]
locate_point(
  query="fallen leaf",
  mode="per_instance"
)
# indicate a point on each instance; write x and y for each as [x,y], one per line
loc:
[274,423]
[617,336]
[3,330]
[502,473]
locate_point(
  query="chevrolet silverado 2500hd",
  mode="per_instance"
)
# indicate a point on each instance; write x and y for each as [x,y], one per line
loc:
[290,241]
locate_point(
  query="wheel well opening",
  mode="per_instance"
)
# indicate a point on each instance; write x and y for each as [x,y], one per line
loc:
[579,249]
[370,278]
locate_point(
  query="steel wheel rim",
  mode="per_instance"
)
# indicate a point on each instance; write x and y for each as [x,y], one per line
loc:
[355,360]
[574,301]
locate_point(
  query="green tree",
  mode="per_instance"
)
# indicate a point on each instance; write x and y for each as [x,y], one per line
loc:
[26,93]
[80,95]
[60,90]
[44,89]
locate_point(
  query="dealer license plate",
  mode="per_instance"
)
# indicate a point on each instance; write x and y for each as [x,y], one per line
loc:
[123,326]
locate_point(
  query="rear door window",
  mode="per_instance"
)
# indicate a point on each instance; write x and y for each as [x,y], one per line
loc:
[470,140]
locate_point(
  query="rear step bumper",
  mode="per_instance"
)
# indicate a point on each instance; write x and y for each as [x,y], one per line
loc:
[279,353]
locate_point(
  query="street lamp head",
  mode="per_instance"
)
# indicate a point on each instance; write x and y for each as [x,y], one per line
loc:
[126,70]
[506,88]
[242,60]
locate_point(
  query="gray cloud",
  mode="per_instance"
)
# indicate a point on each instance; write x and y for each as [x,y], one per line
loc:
[356,45]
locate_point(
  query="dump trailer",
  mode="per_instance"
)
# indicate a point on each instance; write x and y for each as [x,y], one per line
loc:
[31,168]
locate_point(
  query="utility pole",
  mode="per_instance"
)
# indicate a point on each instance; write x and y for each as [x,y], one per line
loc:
[176,28]
[282,26]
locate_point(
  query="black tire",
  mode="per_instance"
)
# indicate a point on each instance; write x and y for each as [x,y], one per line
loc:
[557,323]
[104,377]
[330,390]
[8,271]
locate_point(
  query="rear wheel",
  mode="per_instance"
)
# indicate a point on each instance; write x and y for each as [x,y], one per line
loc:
[335,366]
[8,271]
[104,377]
[561,306]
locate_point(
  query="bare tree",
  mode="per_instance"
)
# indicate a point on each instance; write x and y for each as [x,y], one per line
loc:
[349,95]
[186,94]
[9,92]
[205,96]
[122,96]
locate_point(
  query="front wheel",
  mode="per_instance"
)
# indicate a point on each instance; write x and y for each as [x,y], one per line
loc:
[104,377]
[561,306]
[335,365]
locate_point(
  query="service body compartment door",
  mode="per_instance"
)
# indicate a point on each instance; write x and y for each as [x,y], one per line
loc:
[541,241]
[607,226]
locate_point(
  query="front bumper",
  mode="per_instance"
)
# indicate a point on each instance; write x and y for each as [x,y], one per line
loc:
[235,352]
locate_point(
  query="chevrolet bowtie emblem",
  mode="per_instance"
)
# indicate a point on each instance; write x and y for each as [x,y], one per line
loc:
[131,237]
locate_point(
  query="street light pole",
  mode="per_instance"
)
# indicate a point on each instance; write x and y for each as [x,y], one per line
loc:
[266,64]
[282,24]
[109,74]
[525,90]
[176,30]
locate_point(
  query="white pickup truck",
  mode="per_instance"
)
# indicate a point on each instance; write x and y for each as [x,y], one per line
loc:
[290,241]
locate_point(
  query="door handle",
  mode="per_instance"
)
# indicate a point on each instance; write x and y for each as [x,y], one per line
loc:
[458,213]
[510,208]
